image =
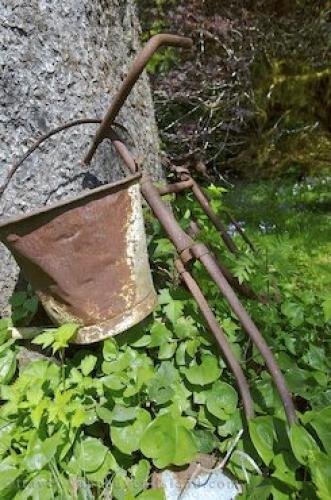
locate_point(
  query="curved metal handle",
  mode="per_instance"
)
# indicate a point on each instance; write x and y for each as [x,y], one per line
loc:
[135,71]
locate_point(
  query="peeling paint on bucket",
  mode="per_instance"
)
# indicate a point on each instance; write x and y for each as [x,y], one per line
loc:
[87,260]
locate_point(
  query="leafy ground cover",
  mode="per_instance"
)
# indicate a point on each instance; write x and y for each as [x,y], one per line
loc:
[95,422]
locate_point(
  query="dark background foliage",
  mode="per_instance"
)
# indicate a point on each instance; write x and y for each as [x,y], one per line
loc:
[253,97]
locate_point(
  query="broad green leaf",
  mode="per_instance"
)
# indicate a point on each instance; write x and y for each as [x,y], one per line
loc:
[140,474]
[109,464]
[7,366]
[205,373]
[321,473]
[262,433]
[294,312]
[8,472]
[142,341]
[41,452]
[167,350]
[174,310]
[121,362]
[127,437]
[321,422]
[285,467]
[222,400]
[315,357]
[185,328]
[110,350]
[121,487]
[303,444]
[231,426]
[105,414]
[41,487]
[90,454]
[167,441]
[124,414]
[115,382]
[63,335]
[6,435]
[205,440]
[160,334]
[87,364]
[163,248]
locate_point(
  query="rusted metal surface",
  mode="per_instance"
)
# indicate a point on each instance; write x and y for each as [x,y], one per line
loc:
[135,71]
[220,338]
[185,244]
[87,259]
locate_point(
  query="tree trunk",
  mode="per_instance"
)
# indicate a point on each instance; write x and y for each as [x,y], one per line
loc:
[62,60]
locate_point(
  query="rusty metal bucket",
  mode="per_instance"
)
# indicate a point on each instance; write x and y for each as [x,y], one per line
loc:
[87,259]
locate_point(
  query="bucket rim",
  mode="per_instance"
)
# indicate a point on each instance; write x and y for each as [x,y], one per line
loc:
[86,193]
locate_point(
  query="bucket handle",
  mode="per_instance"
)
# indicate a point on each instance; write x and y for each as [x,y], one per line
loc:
[153,44]
[43,138]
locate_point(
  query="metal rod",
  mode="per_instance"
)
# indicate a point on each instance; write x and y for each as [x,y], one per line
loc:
[237,226]
[135,71]
[241,288]
[250,328]
[177,187]
[220,338]
[184,242]
[204,203]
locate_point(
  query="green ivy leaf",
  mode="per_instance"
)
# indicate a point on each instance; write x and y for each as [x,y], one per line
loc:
[90,454]
[8,472]
[262,433]
[40,452]
[127,437]
[7,366]
[222,400]
[303,444]
[174,310]
[205,373]
[321,422]
[159,334]
[167,441]
[140,475]
[185,328]
[205,440]
[123,414]
[87,364]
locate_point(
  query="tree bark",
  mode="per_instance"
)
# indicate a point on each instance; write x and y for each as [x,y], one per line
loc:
[62,60]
